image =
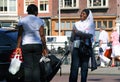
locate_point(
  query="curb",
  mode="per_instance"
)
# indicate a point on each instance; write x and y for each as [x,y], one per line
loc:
[65,70]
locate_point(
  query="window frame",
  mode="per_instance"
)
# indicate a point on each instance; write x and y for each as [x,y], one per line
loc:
[45,6]
[65,24]
[63,7]
[6,7]
[108,27]
[92,6]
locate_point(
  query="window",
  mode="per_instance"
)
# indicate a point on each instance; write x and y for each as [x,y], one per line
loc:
[107,23]
[65,25]
[62,24]
[56,26]
[68,24]
[99,24]
[68,33]
[27,2]
[51,39]
[97,3]
[12,6]
[110,24]
[3,5]
[69,4]
[43,5]
[8,6]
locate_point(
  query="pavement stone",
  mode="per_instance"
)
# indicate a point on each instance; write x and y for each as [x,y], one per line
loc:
[65,69]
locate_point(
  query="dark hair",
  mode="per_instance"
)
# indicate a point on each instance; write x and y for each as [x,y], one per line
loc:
[32,8]
[86,11]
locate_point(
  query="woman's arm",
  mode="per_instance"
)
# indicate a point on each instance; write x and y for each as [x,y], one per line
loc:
[19,39]
[83,35]
[42,35]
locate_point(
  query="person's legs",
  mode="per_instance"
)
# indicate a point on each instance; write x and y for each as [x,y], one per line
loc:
[102,63]
[102,57]
[113,62]
[37,53]
[28,64]
[74,66]
[84,69]
[113,57]
[31,62]
[36,67]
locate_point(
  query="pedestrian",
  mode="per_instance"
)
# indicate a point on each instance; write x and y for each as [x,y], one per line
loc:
[82,34]
[31,40]
[115,46]
[103,41]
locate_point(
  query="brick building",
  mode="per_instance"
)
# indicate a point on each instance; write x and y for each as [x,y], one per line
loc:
[12,10]
[105,12]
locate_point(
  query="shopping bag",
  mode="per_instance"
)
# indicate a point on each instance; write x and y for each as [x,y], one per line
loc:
[15,64]
[47,66]
[18,77]
[108,53]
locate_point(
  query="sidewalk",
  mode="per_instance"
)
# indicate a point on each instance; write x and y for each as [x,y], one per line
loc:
[65,69]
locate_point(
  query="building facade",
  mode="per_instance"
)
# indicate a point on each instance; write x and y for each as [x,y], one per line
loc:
[62,13]
[12,10]
[106,13]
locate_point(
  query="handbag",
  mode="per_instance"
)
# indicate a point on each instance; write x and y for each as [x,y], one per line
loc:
[47,66]
[108,53]
[85,50]
[15,75]
[15,64]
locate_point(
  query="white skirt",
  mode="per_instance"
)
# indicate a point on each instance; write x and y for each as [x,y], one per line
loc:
[115,51]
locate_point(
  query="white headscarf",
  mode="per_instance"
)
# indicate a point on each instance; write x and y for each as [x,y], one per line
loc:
[86,26]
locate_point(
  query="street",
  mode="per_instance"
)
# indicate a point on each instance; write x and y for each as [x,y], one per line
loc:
[91,78]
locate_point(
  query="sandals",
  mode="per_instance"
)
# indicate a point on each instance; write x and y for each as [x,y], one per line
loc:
[113,65]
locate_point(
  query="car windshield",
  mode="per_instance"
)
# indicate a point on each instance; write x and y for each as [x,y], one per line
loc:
[12,33]
[51,39]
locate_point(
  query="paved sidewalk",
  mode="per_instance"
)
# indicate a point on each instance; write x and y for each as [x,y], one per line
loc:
[65,69]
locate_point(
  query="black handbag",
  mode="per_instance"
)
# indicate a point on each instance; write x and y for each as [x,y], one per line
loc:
[85,50]
[47,68]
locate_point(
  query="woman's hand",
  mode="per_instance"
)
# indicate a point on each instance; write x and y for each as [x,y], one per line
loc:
[45,52]
[18,51]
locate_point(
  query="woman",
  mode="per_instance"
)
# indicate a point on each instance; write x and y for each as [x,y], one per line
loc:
[82,34]
[31,39]
[115,46]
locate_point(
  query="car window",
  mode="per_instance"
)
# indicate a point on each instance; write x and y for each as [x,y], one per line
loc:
[51,39]
[12,35]
[6,42]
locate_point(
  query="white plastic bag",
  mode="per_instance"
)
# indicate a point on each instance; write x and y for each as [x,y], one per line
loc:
[76,43]
[15,65]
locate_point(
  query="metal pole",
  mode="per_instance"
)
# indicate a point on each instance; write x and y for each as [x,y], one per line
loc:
[59,27]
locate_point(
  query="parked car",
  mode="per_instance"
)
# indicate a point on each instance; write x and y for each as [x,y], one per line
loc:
[8,40]
[96,48]
[56,41]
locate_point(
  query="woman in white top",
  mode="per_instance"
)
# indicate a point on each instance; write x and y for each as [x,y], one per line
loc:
[31,39]
[82,34]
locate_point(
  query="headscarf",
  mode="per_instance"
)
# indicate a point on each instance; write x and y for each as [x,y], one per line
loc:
[86,26]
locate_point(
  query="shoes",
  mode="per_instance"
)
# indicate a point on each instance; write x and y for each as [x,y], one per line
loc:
[113,65]
[102,66]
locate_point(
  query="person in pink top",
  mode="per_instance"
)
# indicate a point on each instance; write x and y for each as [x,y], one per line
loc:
[115,46]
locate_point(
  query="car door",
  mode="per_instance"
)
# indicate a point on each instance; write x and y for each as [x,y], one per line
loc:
[7,44]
